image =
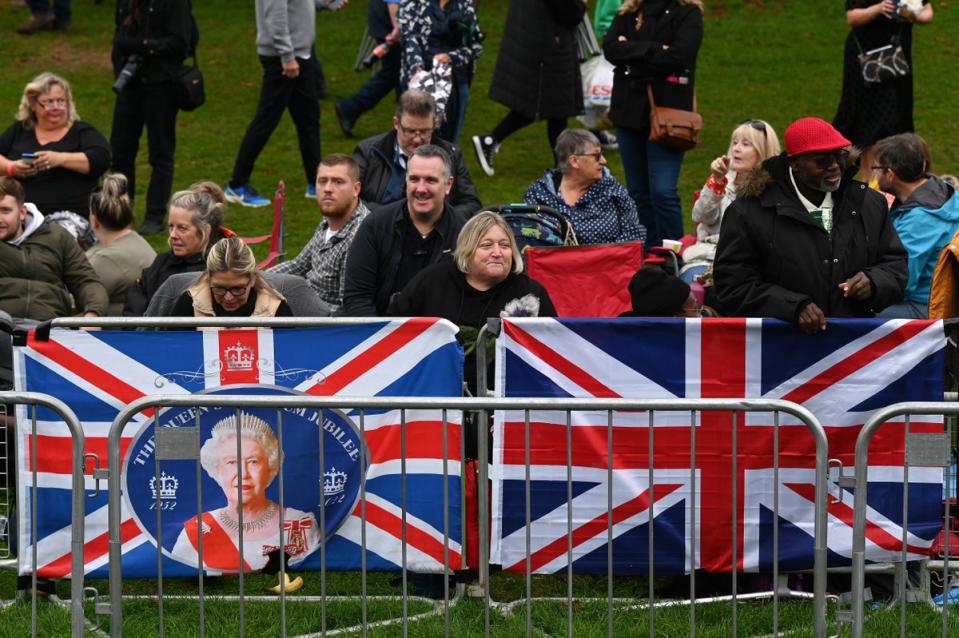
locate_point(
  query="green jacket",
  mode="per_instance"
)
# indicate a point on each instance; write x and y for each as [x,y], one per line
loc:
[603,16]
[38,276]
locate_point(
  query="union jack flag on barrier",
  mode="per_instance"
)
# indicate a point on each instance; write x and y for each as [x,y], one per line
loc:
[841,376]
[97,373]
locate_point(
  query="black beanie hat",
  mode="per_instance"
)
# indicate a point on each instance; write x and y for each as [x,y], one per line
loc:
[656,294]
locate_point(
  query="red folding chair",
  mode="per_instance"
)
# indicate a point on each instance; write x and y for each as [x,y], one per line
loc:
[276,237]
[586,281]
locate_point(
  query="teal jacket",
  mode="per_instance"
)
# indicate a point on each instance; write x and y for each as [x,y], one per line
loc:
[926,222]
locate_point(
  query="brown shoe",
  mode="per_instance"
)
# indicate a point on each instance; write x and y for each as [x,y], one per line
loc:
[42,22]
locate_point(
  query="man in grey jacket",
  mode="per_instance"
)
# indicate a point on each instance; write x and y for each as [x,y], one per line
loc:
[285,31]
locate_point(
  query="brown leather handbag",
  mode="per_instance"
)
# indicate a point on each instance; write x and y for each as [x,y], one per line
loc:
[674,128]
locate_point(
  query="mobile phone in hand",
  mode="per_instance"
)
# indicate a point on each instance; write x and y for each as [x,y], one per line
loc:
[29,158]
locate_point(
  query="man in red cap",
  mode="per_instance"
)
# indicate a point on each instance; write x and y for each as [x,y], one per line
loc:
[804,241]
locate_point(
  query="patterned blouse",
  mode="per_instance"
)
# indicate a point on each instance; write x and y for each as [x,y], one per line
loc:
[605,214]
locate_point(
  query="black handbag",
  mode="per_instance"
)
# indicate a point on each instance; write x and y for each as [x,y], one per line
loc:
[884,63]
[189,85]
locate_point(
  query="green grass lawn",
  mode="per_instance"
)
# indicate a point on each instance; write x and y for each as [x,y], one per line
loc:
[773,59]
[465,617]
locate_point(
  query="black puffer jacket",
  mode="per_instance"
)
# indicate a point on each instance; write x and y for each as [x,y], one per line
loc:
[773,258]
[161,32]
[537,73]
[642,60]
[375,158]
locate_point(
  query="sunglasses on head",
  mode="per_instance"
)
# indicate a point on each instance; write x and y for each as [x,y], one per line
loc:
[759,125]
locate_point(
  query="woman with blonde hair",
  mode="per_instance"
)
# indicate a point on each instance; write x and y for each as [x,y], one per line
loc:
[752,143]
[231,286]
[120,254]
[58,157]
[195,224]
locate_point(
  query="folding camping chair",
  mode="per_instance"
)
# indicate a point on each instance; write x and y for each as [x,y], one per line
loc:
[586,281]
[276,236]
[536,225]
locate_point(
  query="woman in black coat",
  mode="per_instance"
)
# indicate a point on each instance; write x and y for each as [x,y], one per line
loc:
[652,43]
[537,72]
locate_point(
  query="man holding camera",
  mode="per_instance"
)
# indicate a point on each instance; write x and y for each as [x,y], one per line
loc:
[152,39]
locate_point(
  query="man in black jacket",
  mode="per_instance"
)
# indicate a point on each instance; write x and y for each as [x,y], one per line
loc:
[804,241]
[383,158]
[397,241]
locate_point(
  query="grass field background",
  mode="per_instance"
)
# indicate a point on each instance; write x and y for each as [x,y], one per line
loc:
[774,59]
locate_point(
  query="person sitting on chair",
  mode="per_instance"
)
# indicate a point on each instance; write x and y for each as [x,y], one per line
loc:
[231,287]
[582,188]
[383,159]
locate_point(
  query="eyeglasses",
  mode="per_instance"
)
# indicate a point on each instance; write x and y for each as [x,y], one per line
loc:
[880,168]
[598,155]
[823,161]
[49,104]
[235,291]
[416,132]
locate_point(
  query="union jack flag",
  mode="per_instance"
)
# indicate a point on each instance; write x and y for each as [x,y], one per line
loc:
[98,373]
[842,376]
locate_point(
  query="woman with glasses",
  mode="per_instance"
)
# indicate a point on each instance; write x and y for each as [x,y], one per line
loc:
[582,188]
[195,224]
[871,111]
[751,143]
[56,156]
[653,45]
[231,286]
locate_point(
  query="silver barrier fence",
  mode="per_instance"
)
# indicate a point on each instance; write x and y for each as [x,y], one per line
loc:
[77,444]
[114,608]
[921,450]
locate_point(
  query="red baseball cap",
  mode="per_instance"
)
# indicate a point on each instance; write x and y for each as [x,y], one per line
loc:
[813,135]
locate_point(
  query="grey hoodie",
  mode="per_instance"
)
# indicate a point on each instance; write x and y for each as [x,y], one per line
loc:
[287,28]
[31,222]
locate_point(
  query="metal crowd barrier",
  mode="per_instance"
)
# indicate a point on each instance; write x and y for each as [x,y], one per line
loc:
[480,406]
[175,449]
[77,510]
[921,450]
[486,404]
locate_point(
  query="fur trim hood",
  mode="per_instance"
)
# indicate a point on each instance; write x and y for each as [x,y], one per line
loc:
[753,183]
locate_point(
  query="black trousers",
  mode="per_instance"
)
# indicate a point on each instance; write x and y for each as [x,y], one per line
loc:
[278,94]
[153,106]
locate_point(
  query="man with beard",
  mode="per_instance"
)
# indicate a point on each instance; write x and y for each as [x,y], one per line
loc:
[804,241]
[397,241]
[323,260]
[925,214]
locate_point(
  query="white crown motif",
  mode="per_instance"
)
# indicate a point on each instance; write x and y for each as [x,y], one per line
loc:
[334,482]
[168,486]
[239,357]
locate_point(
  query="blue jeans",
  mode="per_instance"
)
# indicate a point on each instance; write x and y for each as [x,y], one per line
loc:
[908,309]
[652,173]
[386,79]
[60,9]
[453,124]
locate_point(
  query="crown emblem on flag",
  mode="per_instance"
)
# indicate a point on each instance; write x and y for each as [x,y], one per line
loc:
[168,486]
[334,482]
[239,357]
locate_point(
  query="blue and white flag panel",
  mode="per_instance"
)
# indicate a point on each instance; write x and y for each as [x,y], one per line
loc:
[179,505]
[842,376]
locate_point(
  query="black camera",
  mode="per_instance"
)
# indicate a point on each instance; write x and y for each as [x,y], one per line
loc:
[127,73]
